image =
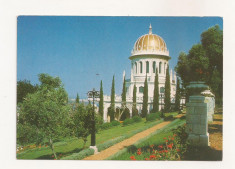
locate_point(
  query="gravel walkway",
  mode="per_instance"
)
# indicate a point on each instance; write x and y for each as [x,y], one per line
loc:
[119,146]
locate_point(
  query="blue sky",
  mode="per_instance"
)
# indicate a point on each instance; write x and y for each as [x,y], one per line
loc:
[76,48]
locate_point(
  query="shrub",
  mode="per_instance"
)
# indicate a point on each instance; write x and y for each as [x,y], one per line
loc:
[134,112]
[115,123]
[169,118]
[79,156]
[153,116]
[128,121]
[105,126]
[110,143]
[136,119]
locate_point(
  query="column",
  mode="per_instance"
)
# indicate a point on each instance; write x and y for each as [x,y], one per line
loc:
[196,121]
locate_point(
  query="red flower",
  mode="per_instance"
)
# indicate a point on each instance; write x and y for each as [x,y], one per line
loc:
[54,158]
[152,156]
[175,135]
[170,145]
[166,141]
[172,138]
[164,138]
[160,146]
[151,146]
[146,159]
[177,149]
[132,157]
[139,152]
[166,151]
[139,149]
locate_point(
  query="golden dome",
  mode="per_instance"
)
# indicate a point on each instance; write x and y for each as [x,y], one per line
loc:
[150,44]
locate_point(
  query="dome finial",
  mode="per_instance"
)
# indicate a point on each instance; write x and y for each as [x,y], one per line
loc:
[150,29]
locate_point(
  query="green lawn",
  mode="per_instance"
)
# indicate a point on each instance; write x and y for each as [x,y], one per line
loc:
[155,140]
[72,145]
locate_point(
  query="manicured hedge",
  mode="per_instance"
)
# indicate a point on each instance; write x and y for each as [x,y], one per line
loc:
[107,125]
[115,123]
[110,143]
[153,116]
[137,119]
[128,121]
[169,118]
[79,156]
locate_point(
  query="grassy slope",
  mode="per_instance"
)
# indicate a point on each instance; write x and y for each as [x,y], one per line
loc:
[75,145]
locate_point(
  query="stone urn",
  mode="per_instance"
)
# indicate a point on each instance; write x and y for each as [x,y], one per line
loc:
[195,88]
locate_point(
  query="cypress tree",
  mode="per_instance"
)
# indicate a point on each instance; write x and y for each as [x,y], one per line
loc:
[77,99]
[167,99]
[101,102]
[145,99]
[177,96]
[156,94]
[134,109]
[124,93]
[112,100]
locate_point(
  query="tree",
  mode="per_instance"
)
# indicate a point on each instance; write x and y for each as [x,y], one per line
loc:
[124,93]
[23,88]
[101,102]
[134,109]
[156,94]
[77,99]
[145,98]
[194,66]
[212,42]
[45,113]
[82,122]
[177,96]
[183,68]
[167,99]
[112,105]
[204,62]
[124,114]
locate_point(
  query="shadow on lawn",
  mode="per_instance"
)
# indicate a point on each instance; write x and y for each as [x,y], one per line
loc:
[215,128]
[49,156]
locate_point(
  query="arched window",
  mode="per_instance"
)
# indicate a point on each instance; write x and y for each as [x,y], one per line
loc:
[154,67]
[164,68]
[135,67]
[147,67]
[141,89]
[160,67]
[141,67]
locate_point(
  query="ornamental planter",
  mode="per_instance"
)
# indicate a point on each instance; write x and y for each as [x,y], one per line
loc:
[195,88]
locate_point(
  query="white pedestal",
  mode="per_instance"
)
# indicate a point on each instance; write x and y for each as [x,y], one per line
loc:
[95,149]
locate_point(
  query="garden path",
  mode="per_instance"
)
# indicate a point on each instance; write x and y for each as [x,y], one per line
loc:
[119,146]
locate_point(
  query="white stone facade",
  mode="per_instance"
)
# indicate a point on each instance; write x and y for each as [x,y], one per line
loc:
[149,52]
